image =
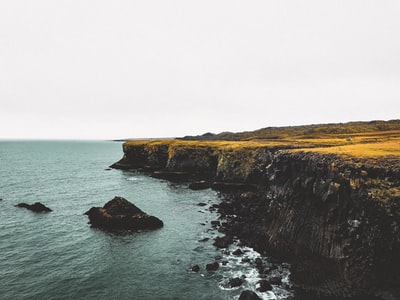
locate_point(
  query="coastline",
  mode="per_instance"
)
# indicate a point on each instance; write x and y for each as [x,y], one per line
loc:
[333,215]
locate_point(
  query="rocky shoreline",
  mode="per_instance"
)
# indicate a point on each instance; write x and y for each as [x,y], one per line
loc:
[335,220]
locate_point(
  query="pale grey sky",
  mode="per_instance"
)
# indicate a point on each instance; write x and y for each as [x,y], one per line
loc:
[113,69]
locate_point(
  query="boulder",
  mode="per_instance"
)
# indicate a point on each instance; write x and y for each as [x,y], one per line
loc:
[264,286]
[212,266]
[195,268]
[215,223]
[237,252]
[275,280]
[235,282]
[249,295]
[222,242]
[120,214]
[36,207]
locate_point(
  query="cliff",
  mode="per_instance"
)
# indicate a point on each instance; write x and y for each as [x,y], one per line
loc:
[222,162]
[340,220]
[328,205]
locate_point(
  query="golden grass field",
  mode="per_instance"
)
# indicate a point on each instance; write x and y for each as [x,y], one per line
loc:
[368,144]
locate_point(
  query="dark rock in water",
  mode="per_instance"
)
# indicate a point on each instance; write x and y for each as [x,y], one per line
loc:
[120,214]
[235,282]
[246,260]
[107,169]
[249,295]
[212,267]
[213,207]
[204,240]
[276,280]
[259,262]
[215,223]
[201,204]
[222,242]
[195,268]
[264,286]
[177,176]
[36,207]
[259,265]
[199,185]
[237,252]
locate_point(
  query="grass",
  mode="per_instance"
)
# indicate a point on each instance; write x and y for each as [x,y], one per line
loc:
[377,149]
[356,139]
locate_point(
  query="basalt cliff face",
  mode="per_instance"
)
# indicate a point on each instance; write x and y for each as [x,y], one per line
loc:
[336,220]
[339,219]
[195,162]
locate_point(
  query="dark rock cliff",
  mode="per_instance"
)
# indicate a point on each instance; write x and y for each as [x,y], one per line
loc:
[336,220]
[242,165]
[340,220]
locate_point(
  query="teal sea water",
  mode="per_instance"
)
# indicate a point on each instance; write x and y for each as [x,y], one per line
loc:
[58,256]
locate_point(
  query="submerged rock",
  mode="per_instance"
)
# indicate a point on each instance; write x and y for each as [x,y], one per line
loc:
[195,268]
[120,214]
[36,207]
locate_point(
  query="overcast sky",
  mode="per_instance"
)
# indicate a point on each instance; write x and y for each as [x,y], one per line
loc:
[114,69]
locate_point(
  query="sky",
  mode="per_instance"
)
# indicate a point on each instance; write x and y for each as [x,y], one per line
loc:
[96,69]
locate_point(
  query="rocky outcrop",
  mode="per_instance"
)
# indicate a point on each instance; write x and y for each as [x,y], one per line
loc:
[120,214]
[36,207]
[227,167]
[143,156]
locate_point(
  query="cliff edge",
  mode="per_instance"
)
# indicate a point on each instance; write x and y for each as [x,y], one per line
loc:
[330,205]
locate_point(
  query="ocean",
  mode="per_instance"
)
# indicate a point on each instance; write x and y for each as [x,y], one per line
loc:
[57,255]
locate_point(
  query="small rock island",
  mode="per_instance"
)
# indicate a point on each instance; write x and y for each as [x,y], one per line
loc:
[120,214]
[36,207]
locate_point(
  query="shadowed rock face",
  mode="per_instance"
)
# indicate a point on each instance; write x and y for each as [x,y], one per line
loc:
[187,163]
[36,207]
[337,222]
[120,214]
[325,212]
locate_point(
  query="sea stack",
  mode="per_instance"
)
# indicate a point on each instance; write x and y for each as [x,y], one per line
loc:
[120,214]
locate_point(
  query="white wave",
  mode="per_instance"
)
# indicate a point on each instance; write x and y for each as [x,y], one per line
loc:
[238,267]
[132,178]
